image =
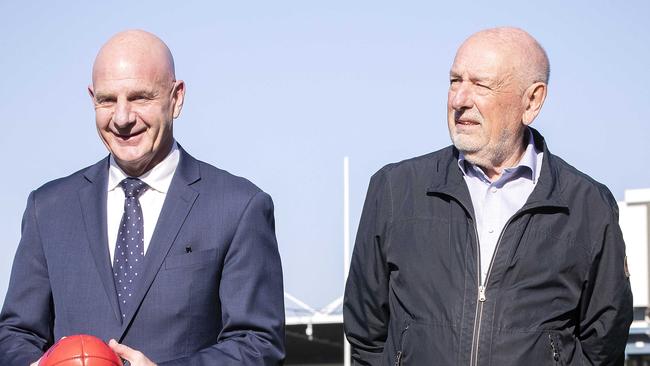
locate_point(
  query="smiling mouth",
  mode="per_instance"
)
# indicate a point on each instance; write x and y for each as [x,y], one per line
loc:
[466,123]
[128,137]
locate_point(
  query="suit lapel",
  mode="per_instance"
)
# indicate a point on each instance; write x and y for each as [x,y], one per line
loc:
[93,205]
[178,204]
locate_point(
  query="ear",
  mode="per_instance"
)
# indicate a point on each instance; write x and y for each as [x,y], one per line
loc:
[178,97]
[534,98]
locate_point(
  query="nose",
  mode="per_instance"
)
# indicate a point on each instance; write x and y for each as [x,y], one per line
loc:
[123,115]
[461,97]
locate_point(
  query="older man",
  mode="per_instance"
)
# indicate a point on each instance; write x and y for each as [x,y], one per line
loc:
[174,259]
[492,251]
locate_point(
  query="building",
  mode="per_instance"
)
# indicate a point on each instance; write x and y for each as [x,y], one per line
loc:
[635,223]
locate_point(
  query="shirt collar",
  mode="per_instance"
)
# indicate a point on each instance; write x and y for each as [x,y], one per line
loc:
[528,164]
[158,178]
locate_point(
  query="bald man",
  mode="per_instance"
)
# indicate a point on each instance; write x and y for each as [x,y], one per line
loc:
[170,260]
[492,251]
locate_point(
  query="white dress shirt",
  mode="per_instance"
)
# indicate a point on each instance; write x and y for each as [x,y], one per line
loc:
[496,202]
[158,179]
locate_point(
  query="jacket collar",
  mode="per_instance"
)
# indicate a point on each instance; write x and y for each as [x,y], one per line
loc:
[447,180]
[548,191]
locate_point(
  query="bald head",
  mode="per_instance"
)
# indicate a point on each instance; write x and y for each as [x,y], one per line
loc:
[135,49]
[526,56]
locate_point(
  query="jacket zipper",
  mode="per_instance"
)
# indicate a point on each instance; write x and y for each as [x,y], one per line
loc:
[398,357]
[554,350]
[479,304]
[482,287]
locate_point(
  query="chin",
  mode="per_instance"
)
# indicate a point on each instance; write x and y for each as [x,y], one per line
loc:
[128,153]
[130,158]
[466,144]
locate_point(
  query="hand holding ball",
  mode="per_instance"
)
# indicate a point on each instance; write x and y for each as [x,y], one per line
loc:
[80,350]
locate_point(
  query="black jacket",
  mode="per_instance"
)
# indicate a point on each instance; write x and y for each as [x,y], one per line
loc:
[557,292]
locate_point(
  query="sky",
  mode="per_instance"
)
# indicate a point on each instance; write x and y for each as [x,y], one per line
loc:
[280,91]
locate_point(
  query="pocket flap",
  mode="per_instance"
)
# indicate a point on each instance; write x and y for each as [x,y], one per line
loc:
[192,259]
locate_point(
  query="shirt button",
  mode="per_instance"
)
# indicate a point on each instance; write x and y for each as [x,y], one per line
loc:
[493,190]
[491,231]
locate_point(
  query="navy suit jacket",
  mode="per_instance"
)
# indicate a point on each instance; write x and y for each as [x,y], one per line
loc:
[219,304]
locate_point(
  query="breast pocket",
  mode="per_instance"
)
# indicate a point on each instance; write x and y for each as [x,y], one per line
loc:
[195,259]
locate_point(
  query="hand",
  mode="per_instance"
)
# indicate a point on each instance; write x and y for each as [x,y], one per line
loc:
[135,358]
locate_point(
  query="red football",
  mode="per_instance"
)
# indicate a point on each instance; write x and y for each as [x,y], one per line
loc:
[80,350]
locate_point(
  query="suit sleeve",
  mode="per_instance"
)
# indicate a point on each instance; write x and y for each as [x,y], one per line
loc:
[251,294]
[365,306]
[606,306]
[27,315]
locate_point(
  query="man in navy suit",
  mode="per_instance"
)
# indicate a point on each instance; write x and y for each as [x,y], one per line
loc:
[201,283]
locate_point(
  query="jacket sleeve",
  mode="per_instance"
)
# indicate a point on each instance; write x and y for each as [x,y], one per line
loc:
[27,315]
[606,304]
[251,294]
[365,307]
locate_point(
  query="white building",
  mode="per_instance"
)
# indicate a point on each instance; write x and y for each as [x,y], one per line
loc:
[635,223]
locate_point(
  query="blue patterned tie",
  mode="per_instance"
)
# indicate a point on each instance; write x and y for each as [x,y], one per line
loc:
[128,260]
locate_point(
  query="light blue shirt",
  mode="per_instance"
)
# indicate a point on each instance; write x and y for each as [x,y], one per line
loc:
[496,202]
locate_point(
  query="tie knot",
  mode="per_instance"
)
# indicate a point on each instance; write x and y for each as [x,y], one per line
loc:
[133,187]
